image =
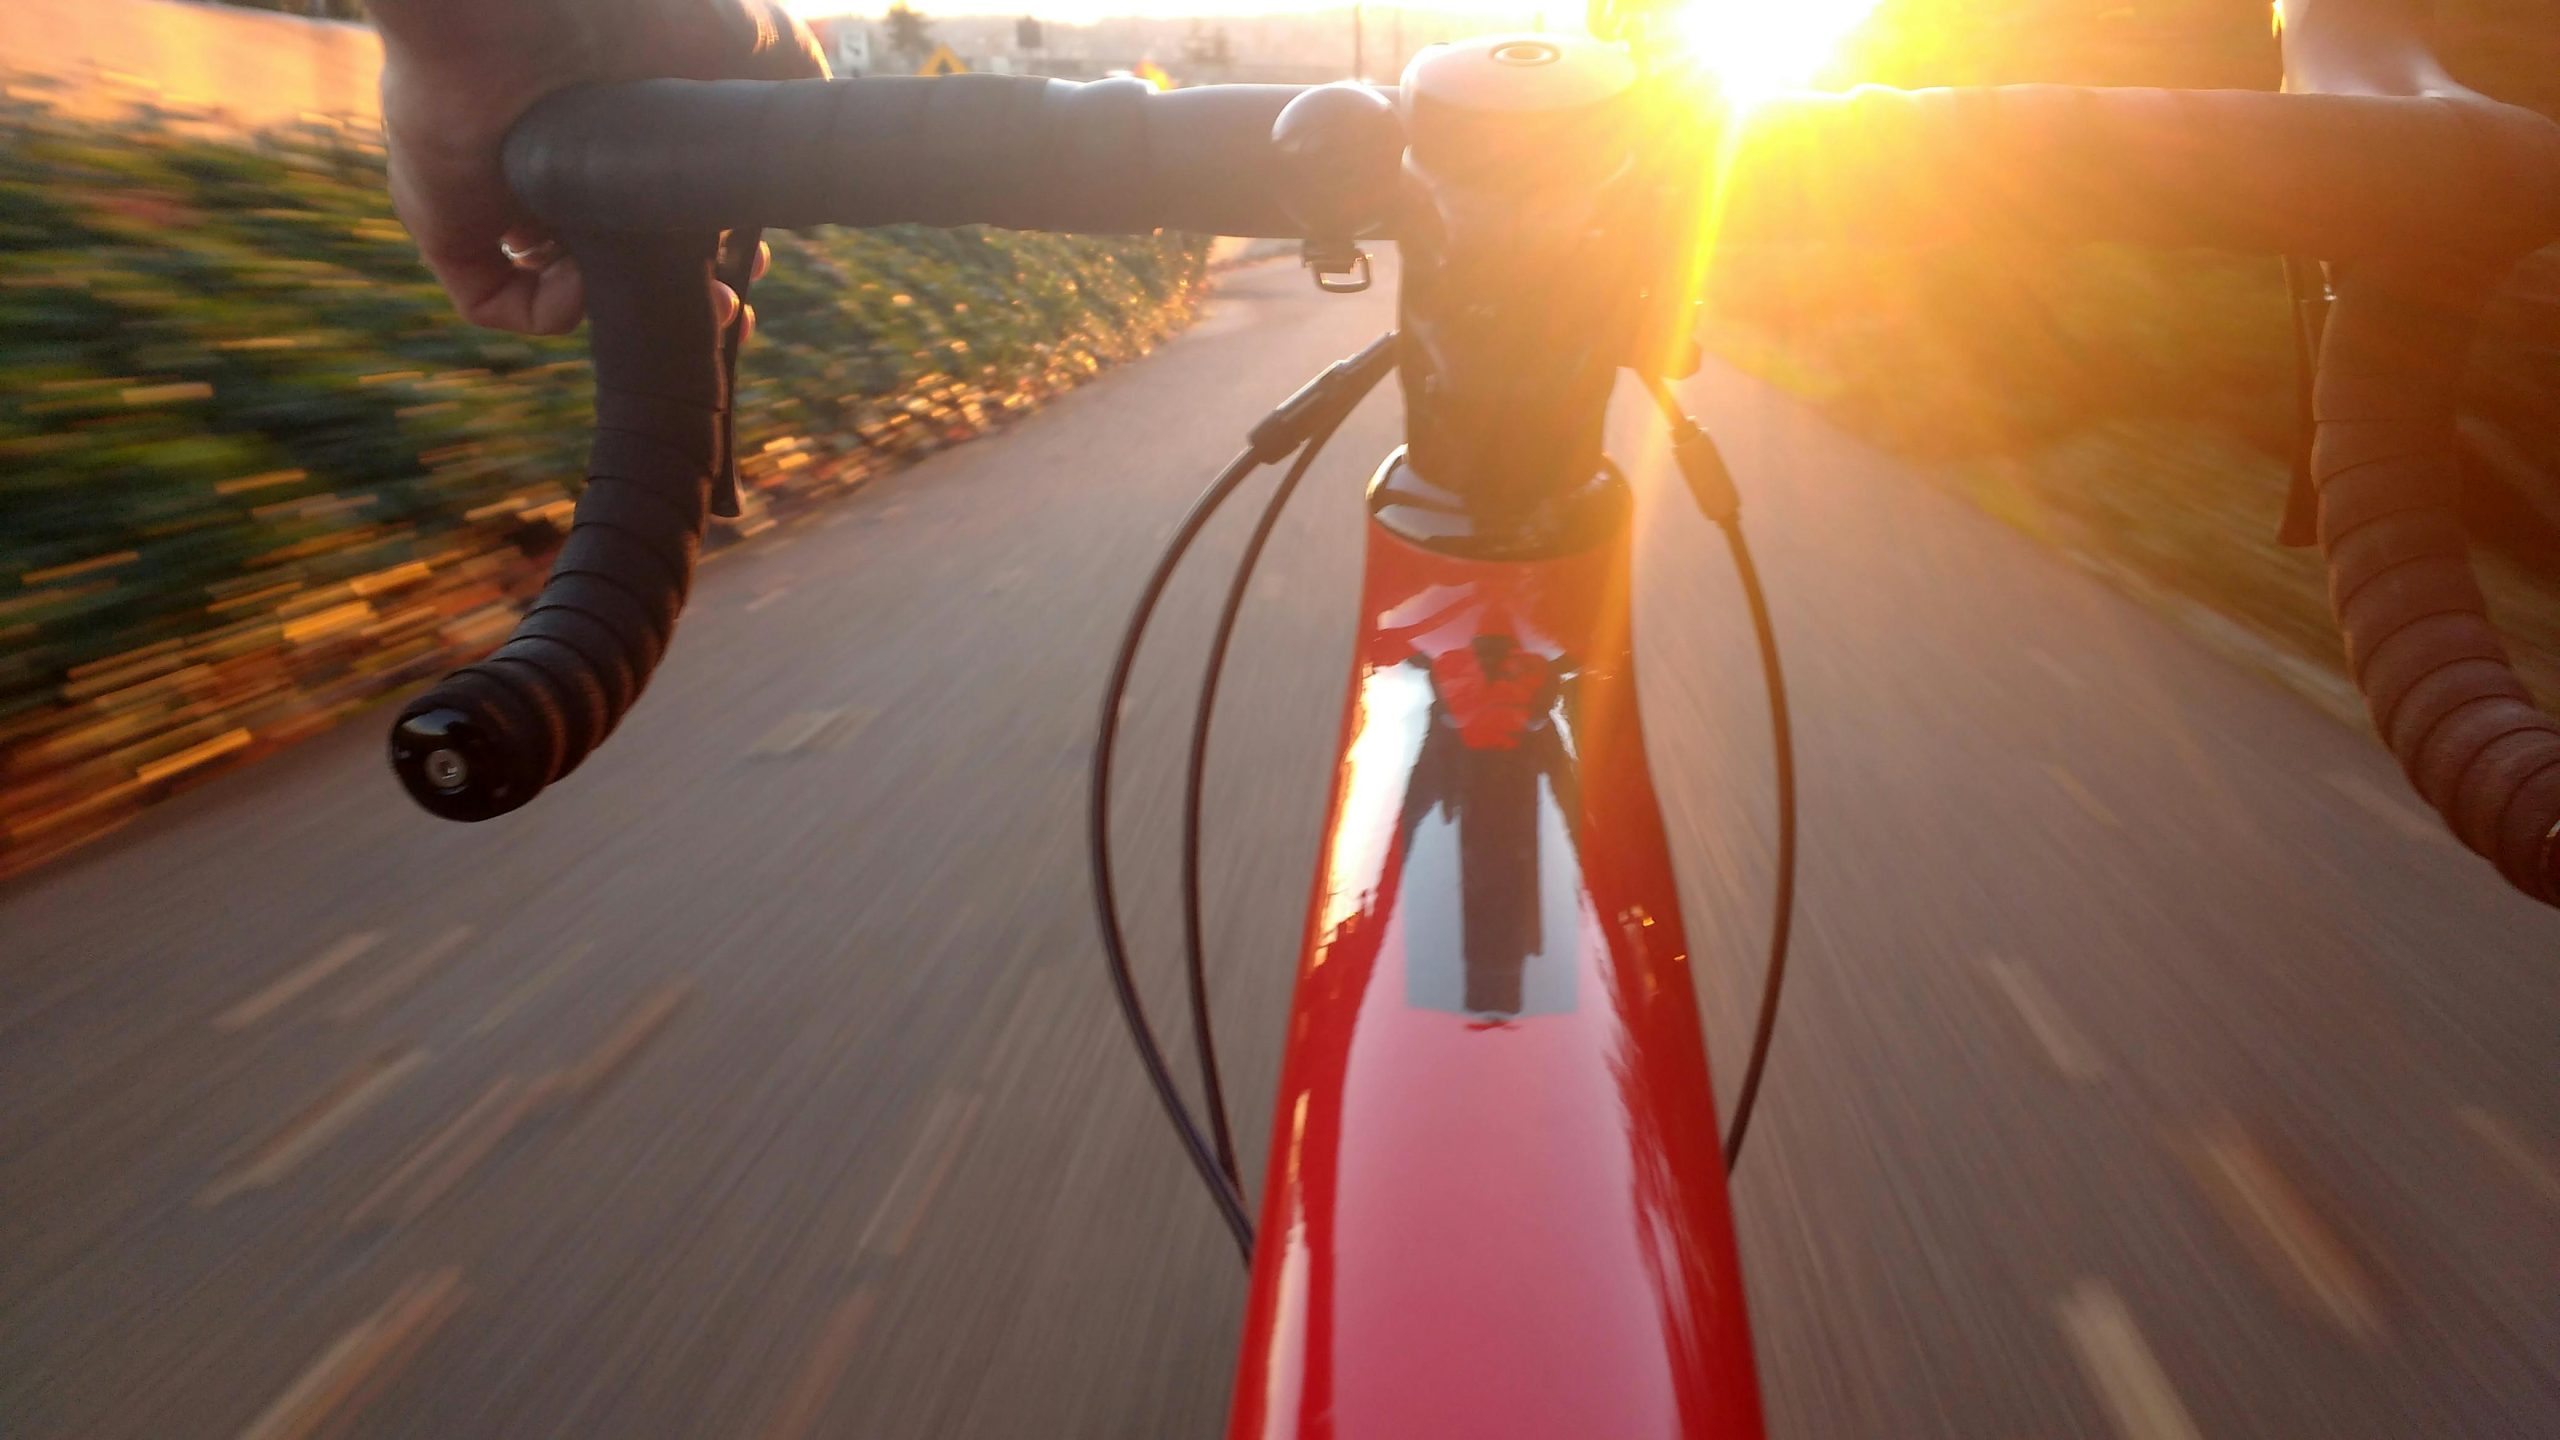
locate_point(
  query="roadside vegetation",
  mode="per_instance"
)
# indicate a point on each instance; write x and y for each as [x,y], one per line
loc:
[2135,409]
[253,475]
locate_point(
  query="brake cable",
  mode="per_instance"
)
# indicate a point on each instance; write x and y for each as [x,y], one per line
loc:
[2306,285]
[1302,424]
[1711,485]
[1365,369]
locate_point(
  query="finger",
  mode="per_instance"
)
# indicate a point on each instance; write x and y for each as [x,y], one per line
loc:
[459,235]
[488,290]
[747,331]
[734,40]
[724,305]
[559,298]
[764,260]
[787,49]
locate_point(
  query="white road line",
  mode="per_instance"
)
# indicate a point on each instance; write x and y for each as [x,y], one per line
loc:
[823,1371]
[402,976]
[2399,813]
[319,1123]
[911,1193]
[451,1153]
[2121,1367]
[640,1025]
[283,992]
[522,995]
[840,730]
[349,1372]
[2062,674]
[793,732]
[2079,793]
[2264,1203]
[2519,1153]
[1034,998]
[804,732]
[2060,1040]
[765,599]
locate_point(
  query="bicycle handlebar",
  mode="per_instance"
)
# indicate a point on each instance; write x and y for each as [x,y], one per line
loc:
[2420,202]
[2337,176]
[2435,678]
[1107,156]
[490,736]
[2419,199]
[640,178]
[2435,182]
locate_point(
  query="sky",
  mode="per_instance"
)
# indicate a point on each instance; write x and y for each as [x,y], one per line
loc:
[1085,12]
[1758,47]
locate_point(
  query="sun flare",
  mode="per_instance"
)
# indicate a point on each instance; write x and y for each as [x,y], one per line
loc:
[1757,48]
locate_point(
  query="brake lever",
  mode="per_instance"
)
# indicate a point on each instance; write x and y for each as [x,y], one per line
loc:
[734,266]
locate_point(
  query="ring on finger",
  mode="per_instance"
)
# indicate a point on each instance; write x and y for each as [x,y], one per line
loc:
[535,256]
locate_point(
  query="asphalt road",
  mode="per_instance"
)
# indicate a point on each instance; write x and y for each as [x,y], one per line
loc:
[2152,1071]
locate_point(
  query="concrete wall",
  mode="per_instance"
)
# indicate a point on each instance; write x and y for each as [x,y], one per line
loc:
[255,67]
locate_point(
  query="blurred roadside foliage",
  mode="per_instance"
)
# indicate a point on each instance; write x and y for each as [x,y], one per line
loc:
[2134,408]
[253,474]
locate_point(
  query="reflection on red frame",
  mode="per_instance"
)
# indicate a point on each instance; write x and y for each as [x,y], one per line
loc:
[1495,1205]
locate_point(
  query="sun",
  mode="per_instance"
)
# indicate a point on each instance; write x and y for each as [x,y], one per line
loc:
[1759,48]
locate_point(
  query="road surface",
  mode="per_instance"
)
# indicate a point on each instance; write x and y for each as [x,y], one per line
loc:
[2153,1070]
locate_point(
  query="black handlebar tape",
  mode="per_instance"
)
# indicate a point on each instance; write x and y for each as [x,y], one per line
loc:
[490,736]
[1108,156]
[2419,643]
[2338,177]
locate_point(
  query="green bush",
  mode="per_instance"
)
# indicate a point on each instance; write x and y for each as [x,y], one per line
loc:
[253,473]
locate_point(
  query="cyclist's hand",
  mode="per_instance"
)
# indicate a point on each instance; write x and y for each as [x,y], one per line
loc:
[456,74]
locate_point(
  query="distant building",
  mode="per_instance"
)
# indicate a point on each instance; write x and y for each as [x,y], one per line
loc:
[847,42]
[315,9]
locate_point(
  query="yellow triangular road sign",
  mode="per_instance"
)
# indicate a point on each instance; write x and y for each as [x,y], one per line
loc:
[942,62]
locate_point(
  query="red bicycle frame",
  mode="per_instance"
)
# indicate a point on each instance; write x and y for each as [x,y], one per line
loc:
[1496,1204]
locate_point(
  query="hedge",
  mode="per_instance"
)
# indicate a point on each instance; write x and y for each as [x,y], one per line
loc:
[253,475]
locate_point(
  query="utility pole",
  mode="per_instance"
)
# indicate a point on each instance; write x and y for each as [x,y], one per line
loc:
[1359,62]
